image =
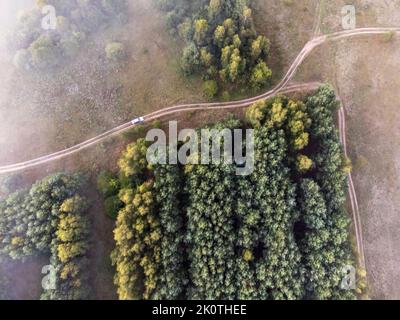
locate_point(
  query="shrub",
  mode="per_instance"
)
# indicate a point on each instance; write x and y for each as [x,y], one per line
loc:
[70,43]
[50,48]
[45,53]
[190,59]
[210,88]
[112,205]
[115,51]
[22,59]
[107,184]
[260,75]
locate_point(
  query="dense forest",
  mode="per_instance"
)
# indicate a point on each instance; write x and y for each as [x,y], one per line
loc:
[49,219]
[37,48]
[221,43]
[203,232]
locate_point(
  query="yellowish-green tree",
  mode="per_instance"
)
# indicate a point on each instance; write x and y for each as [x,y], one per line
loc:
[201,28]
[133,161]
[137,253]
[255,114]
[303,163]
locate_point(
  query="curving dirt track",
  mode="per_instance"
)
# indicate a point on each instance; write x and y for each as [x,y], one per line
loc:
[150,117]
[308,48]
[352,193]
[282,87]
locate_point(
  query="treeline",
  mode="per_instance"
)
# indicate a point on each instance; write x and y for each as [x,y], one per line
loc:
[49,218]
[149,235]
[322,203]
[221,42]
[39,49]
[202,232]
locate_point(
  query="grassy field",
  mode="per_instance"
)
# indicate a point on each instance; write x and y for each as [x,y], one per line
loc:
[369,13]
[371,96]
[289,25]
[45,113]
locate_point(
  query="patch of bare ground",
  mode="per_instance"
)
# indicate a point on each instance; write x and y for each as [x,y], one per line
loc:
[369,13]
[24,278]
[370,91]
[100,270]
[289,25]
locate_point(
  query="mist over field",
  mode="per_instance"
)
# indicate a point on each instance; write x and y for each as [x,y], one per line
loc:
[8,14]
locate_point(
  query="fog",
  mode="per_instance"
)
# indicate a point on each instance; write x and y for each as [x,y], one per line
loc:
[8,14]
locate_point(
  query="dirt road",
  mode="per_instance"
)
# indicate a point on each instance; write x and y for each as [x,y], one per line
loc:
[308,48]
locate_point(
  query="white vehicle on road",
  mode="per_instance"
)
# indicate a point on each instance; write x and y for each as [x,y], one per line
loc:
[137,120]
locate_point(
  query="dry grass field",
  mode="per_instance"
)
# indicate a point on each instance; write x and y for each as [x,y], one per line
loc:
[45,113]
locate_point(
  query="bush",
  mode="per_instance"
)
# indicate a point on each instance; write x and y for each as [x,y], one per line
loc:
[50,48]
[210,88]
[190,59]
[107,184]
[389,36]
[112,205]
[226,96]
[45,53]
[71,43]
[28,29]
[22,59]
[115,51]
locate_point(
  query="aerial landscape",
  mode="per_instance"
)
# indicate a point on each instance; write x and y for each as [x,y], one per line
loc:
[199,150]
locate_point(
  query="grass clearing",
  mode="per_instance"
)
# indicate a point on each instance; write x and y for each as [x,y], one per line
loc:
[45,113]
[289,27]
